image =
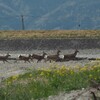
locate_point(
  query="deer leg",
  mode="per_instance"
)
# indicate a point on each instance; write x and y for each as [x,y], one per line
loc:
[3,61]
[15,61]
[44,60]
[38,60]
[50,60]
[60,60]
[7,61]
[24,61]
[56,60]
[94,96]
[31,59]
[28,61]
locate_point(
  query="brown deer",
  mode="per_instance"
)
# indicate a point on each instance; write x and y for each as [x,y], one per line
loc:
[39,57]
[56,57]
[26,59]
[5,58]
[71,56]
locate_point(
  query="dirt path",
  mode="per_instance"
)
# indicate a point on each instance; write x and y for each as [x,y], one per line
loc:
[84,94]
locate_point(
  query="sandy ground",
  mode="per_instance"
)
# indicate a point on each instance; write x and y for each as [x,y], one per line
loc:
[84,94]
[12,68]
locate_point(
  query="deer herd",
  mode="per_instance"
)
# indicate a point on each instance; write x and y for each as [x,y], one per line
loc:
[57,57]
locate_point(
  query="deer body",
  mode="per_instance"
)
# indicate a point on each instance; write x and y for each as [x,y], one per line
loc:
[56,57]
[25,58]
[39,57]
[71,56]
[4,58]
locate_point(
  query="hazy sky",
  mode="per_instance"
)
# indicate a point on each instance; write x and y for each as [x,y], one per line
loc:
[50,14]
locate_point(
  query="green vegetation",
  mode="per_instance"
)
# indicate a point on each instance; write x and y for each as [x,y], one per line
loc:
[50,34]
[44,82]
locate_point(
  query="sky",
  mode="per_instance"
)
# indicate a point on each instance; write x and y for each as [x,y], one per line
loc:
[49,14]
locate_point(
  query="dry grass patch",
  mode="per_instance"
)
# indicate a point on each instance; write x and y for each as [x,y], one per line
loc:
[50,34]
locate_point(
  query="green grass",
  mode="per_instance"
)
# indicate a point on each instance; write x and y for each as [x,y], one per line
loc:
[49,34]
[42,83]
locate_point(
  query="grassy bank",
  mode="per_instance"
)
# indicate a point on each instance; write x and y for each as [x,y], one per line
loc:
[50,34]
[44,82]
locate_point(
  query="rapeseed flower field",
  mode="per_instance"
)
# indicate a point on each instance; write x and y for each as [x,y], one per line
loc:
[44,82]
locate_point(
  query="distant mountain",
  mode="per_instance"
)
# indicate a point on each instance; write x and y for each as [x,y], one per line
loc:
[50,14]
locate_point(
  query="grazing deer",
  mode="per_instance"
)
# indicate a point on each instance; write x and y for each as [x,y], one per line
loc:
[71,56]
[25,58]
[56,57]
[39,57]
[5,58]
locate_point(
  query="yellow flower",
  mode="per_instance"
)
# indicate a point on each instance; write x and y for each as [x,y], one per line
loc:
[77,67]
[67,69]
[42,73]
[15,77]
[71,72]
[39,69]
[30,75]
[57,71]
[95,66]
[9,82]
[48,74]
[90,75]
[98,70]
[53,75]
[95,78]
[97,58]
[83,69]
[63,67]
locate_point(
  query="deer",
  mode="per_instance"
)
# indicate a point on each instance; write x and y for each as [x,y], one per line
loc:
[24,58]
[5,58]
[39,57]
[56,57]
[71,56]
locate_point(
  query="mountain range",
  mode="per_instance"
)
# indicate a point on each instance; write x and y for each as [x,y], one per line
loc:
[50,14]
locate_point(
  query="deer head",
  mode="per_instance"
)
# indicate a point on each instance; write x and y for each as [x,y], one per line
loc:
[8,55]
